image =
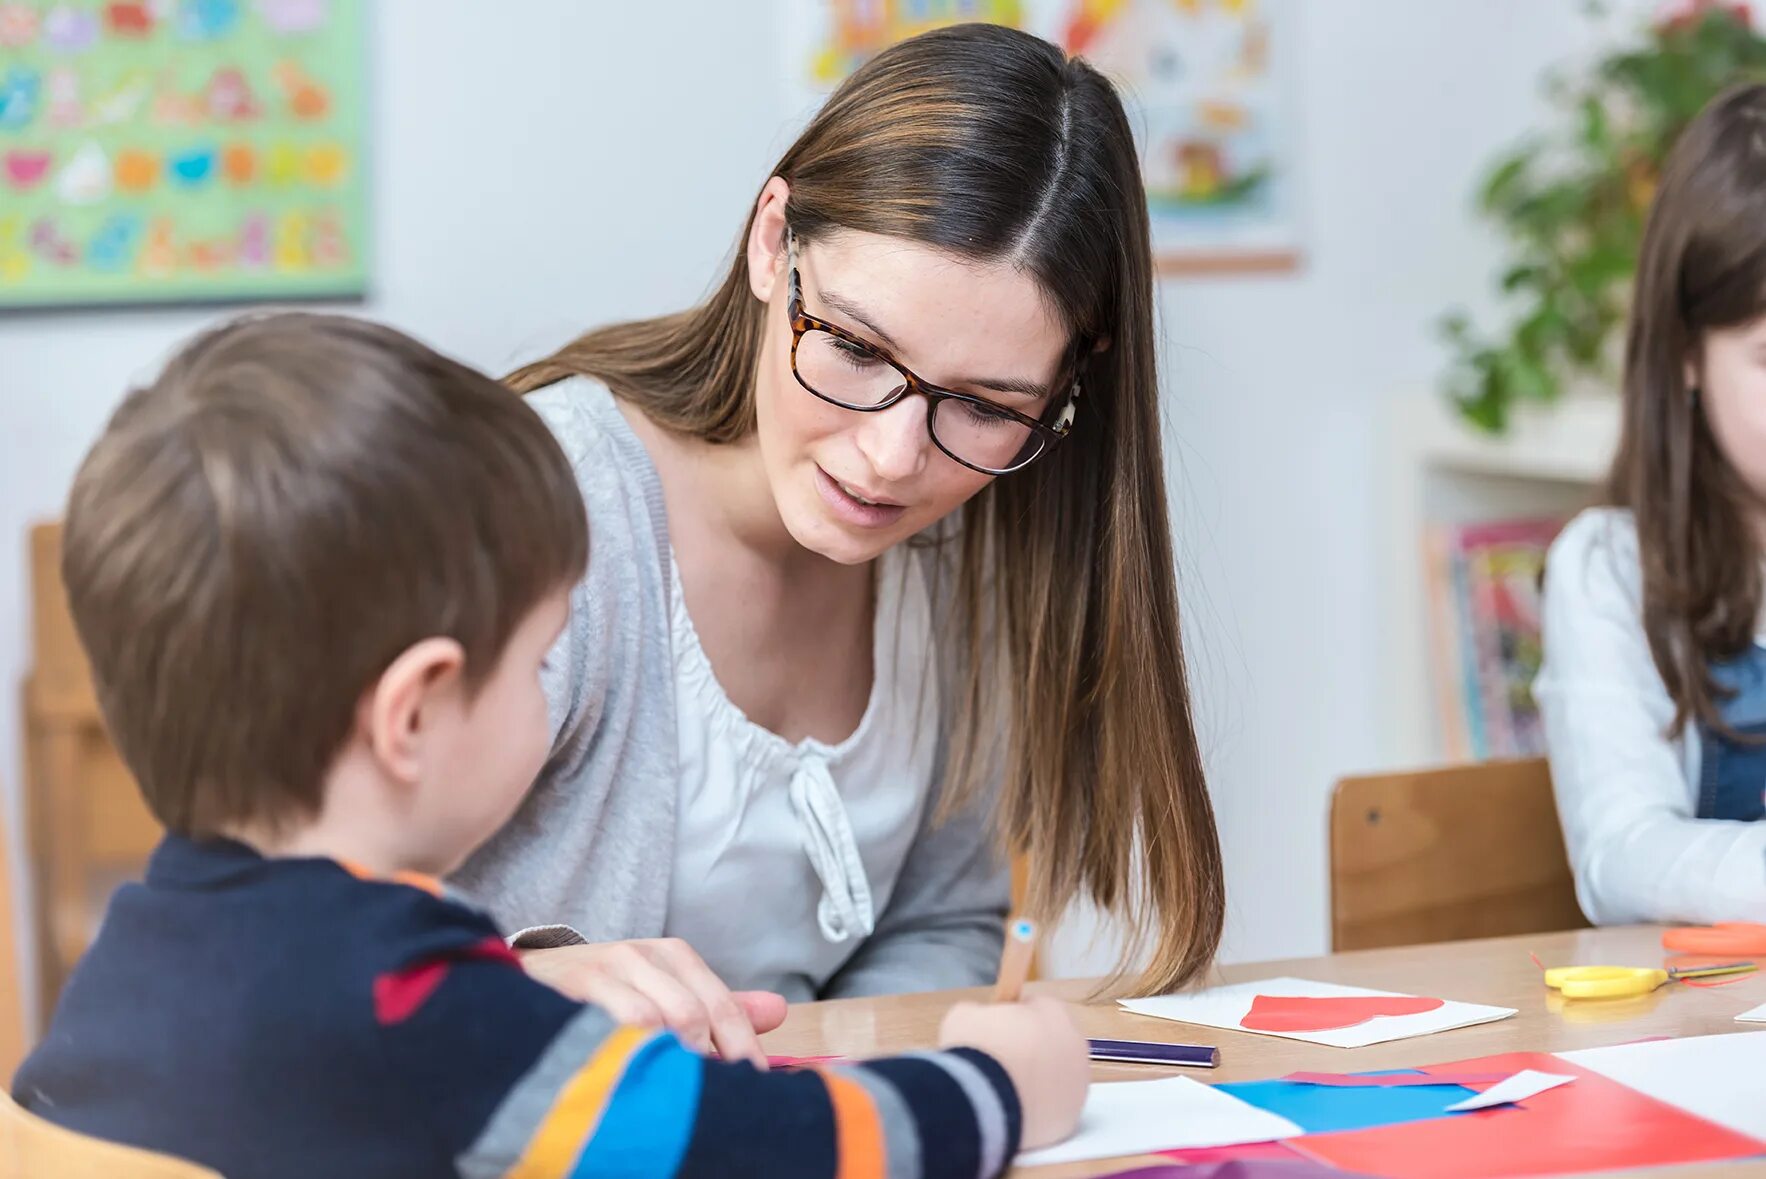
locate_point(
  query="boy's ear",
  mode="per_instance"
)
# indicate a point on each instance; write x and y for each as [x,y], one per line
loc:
[399,712]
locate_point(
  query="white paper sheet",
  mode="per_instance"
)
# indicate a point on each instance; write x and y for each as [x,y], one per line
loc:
[1179,1113]
[1757,1015]
[1719,1078]
[1524,1084]
[1225,1007]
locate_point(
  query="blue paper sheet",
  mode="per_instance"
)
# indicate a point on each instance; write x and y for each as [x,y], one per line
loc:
[1322,1109]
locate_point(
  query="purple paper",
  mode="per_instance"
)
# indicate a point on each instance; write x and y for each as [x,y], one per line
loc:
[1236,1169]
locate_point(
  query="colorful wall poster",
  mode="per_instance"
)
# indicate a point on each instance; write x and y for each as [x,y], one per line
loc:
[181,150]
[846,33]
[1208,84]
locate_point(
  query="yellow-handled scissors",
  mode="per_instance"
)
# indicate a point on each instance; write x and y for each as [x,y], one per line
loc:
[1612,982]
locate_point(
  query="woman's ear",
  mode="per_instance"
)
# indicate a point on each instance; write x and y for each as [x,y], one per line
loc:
[400,712]
[766,239]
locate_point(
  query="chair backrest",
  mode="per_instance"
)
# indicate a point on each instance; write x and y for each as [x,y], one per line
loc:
[31,1147]
[1442,855]
[89,828]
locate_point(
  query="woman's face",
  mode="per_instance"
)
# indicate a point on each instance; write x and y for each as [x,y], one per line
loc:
[849,485]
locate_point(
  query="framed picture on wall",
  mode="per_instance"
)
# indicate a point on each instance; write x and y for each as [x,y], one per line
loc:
[189,151]
[1209,87]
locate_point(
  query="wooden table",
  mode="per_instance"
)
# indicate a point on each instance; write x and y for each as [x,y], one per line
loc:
[1495,971]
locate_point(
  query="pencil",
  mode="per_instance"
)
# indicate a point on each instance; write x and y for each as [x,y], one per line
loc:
[1015,960]
[1152,1052]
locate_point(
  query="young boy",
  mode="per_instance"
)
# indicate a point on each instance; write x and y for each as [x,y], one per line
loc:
[317,568]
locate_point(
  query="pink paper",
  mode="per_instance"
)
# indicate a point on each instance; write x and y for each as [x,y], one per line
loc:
[798,1061]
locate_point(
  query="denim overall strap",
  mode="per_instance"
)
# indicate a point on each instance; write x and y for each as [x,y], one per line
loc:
[1732,774]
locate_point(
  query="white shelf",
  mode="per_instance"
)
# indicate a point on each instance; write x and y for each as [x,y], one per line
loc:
[1569,442]
[1550,461]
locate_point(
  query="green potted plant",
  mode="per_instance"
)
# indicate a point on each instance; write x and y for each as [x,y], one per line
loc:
[1573,203]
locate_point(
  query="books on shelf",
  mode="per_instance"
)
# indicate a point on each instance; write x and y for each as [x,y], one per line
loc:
[1483,589]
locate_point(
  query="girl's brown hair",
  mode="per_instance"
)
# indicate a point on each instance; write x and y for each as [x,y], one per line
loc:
[989,143]
[1703,266]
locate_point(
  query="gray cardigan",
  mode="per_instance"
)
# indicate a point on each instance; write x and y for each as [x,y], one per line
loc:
[590,851]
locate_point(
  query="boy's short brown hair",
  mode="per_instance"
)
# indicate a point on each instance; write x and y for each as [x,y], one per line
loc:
[259,533]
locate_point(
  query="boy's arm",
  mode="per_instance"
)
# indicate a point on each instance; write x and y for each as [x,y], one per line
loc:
[518,1081]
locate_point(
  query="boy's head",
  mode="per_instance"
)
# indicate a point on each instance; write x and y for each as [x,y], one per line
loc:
[316,550]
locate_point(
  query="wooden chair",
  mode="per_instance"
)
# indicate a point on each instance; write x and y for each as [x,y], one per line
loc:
[89,828]
[1442,855]
[31,1148]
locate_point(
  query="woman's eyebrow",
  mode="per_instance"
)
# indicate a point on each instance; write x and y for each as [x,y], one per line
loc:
[1009,385]
[852,310]
[1014,385]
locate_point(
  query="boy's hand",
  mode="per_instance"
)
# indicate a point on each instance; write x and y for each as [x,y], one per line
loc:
[1040,1048]
[662,982]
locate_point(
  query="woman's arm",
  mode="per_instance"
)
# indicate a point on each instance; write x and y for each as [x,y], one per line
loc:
[1637,850]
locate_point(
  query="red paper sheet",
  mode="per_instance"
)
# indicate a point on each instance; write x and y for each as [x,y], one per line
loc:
[799,1061]
[1594,1125]
[1389,1080]
[1307,1013]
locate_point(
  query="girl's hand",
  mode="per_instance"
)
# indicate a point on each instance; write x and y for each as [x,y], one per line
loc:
[662,982]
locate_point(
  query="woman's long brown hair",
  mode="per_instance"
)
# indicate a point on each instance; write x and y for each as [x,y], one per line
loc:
[1703,266]
[990,143]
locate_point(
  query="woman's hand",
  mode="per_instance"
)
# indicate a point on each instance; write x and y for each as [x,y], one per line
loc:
[662,982]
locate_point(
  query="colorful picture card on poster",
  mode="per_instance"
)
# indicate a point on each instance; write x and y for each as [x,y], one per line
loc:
[181,151]
[1209,86]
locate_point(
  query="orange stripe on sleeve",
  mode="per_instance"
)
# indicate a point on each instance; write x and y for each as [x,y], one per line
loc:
[571,1122]
[858,1130]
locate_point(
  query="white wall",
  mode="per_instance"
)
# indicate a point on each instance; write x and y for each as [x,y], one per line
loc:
[1276,390]
[560,163]
[538,168]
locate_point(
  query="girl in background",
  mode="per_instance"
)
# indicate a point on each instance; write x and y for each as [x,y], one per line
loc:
[1653,688]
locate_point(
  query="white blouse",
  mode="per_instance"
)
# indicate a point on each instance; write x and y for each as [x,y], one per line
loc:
[786,854]
[1626,793]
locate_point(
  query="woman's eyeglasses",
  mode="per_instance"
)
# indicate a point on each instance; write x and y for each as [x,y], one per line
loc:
[844,370]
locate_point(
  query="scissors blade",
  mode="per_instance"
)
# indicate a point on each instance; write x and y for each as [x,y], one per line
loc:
[1711,971]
